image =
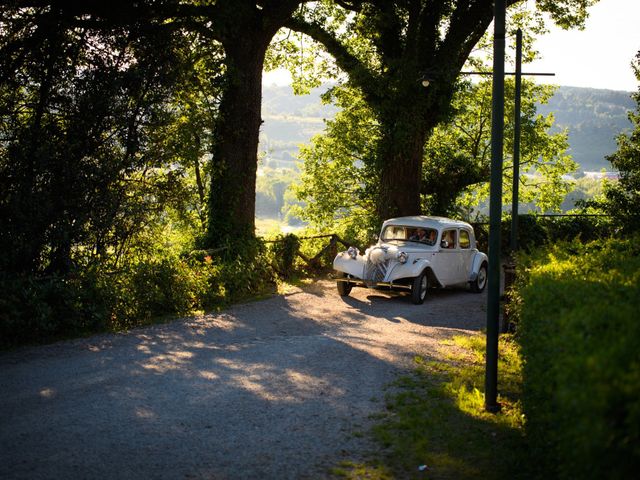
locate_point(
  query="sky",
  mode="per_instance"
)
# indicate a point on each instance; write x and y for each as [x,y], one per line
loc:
[597,57]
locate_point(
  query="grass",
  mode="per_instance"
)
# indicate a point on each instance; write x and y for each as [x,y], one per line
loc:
[435,425]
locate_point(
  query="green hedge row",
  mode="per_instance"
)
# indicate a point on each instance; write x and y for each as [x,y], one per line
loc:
[534,230]
[579,328]
[41,309]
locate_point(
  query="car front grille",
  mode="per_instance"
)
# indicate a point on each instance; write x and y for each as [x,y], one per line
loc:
[375,272]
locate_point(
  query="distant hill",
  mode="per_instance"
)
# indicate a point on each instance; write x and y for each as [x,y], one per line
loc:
[290,120]
[594,118]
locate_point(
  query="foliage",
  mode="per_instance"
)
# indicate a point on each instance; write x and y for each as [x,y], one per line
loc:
[94,144]
[386,48]
[103,132]
[436,417]
[463,146]
[338,183]
[623,198]
[42,309]
[336,179]
[285,249]
[535,231]
[577,307]
[45,308]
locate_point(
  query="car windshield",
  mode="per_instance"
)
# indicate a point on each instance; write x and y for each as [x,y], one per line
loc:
[423,235]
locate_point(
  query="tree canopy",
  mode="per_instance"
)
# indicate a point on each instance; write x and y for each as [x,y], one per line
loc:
[339,183]
[386,48]
[623,198]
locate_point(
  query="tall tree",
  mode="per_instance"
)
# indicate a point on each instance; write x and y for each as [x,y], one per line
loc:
[245,29]
[623,198]
[386,48]
[339,186]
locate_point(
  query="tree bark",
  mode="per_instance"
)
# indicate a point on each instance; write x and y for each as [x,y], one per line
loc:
[400,162]
[245,30]
[235,147]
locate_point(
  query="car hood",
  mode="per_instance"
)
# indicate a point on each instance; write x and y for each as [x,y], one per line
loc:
[385,251]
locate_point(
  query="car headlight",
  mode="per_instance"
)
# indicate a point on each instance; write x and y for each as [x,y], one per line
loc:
[402,257]
[353,252]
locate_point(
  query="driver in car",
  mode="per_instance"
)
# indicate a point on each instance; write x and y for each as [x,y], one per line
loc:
[421,236]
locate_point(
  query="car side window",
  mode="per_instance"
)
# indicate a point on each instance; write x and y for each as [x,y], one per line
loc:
[448,236]
[465,241]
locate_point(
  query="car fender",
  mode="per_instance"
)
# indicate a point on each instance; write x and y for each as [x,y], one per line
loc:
[351,266]
[408,270]
[478,259]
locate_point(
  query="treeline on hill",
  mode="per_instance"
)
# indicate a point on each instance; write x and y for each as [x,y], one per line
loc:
[594,118]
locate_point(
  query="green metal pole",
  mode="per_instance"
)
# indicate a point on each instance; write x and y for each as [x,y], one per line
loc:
[495,209]
[516,144]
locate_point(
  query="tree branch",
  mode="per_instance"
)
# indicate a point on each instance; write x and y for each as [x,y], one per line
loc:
[358,73]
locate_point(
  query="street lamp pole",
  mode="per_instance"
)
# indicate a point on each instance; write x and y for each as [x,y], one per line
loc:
[495,208]
[516,145]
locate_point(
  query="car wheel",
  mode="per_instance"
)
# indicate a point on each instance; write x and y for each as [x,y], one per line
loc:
[344,288]
[419,288]
[477,286]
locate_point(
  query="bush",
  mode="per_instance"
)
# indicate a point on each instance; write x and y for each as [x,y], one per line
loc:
[579,333]
[42,309]
[534,230]
[284,250]
[47,308]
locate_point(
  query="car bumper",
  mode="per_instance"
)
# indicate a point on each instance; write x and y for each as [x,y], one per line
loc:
[357,282]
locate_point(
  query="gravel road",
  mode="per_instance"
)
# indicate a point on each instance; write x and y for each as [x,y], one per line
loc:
[274,389]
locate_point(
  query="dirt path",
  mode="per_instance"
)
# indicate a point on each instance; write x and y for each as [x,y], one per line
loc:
[275,389]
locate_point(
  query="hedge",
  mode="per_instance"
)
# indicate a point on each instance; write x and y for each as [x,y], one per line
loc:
[579,329]
[47,308]
[537,230]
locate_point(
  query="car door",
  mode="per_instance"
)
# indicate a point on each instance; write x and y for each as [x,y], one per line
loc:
[466,254]
[447,261]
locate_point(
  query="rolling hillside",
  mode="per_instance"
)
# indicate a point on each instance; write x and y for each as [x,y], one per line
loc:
[594,119]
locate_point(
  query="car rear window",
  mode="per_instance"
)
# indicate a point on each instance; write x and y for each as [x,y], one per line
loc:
[465,241]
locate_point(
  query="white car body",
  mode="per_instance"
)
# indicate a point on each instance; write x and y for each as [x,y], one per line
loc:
[397,261]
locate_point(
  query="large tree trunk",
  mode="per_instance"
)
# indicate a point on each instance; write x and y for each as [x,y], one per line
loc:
[235,151]
[245,30]
[407,118]
[401,174]
[405,125]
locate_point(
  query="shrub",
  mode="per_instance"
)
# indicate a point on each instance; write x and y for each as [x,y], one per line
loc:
[578,330]
[534,230]
[47,308]
[42,309]
[284,250]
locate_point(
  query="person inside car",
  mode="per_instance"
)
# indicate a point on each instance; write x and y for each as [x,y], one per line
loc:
[422,236]
[419,236]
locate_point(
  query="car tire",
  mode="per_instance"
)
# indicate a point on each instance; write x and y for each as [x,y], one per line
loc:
[477,286]
[344,288]
[419,288]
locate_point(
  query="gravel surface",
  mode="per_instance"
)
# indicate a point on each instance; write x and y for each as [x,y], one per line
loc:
[274,389]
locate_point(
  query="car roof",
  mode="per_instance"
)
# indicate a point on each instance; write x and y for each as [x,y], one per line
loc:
[426,221]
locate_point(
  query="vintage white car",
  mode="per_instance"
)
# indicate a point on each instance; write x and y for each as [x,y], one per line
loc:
[415,253]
